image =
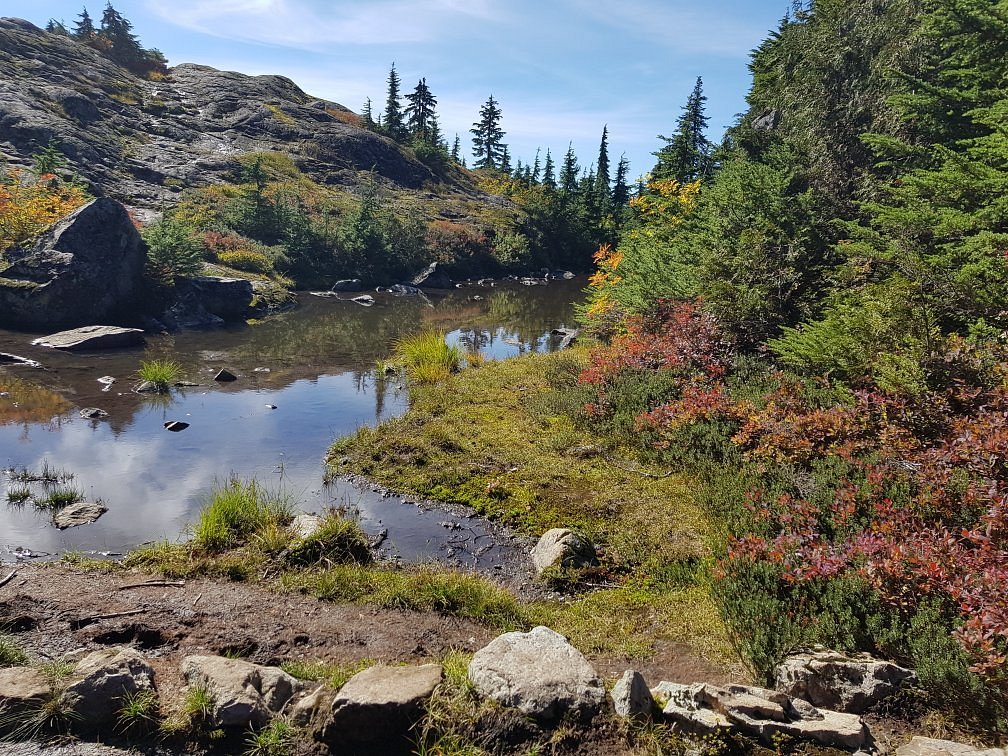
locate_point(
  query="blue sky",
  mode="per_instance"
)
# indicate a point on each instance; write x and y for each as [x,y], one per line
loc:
[559,68]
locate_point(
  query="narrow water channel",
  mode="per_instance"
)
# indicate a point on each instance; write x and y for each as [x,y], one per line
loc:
[305,378]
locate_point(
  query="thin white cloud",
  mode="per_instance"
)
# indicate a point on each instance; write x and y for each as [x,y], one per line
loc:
[304,24]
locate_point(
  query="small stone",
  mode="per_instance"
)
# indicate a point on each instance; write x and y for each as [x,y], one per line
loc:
[176,425]
[631,697]
[225,376]
[81,513]
[561,547]
[93,413]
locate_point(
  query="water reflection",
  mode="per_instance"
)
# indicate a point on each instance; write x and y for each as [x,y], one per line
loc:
[314,365]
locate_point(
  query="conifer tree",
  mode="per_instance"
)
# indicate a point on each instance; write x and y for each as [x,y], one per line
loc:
[488,150]
[505,160]
[534,175]
[84,29]
[569,171]
[686,155]
[601,186]
[366,115]
[57,27]
[117,33]
[393,110]
[420,117]
[621,191]
[549,177]
[456,150]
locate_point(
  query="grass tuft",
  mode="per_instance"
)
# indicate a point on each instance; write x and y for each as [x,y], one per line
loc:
[334,673]
[236,511]
[139,712]
[12,653]
[427,357]
[338,540]
[275,739]
[162,373]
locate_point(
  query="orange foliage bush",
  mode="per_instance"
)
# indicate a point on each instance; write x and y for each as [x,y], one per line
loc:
[29,205]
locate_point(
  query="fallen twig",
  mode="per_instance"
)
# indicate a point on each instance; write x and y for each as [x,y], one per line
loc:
[196,600]
[155,584]
[77,624]
[11,576]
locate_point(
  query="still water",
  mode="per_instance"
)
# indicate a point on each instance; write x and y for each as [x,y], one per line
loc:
[305,378]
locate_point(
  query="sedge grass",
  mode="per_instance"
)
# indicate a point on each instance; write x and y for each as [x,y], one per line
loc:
[161,373]
[427,357]
[236,511]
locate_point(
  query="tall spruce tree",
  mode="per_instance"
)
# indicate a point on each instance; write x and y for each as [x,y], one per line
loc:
[421,121]
[393,122]
[488,149]
[686,156]
[84,28]
[549,172]
[536,167]
[117,33]
[367,115]
[568,181]
[456,150]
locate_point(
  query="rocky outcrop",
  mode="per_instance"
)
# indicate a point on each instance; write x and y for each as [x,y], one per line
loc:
[919,746]
[93,337]
[147,139]
[758,713]
[836,681]
[539,673]
[244,694]
[376,708]
[88,268]
[562,548]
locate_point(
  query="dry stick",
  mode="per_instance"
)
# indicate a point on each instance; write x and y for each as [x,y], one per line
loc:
[155,584]
[7,579]
[85,621]
[196,600]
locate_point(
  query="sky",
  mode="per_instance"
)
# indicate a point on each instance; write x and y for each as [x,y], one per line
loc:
[560,69]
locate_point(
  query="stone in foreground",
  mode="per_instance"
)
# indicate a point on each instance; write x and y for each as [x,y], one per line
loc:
[22,689]
[836,681]
[561,547]
[102,680]
[930,747]
[758,713]
[539,673]
[245,694]
[376,708]
[631,697]
[93,337]
[81,513]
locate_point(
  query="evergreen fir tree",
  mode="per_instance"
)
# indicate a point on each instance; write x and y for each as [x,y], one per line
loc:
[419,113]
[393,123]
[549,178]
[57,27]
[117,33]
[621,191]
[505,160]
[534,175]
[601,187]
[456,150]
[488,150]
[686,155]
[366,115]
[84,29]
[568,181]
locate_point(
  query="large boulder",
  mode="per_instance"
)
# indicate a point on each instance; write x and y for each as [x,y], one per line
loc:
[562,548]
[836,681]
[376,708]
[88,268]
[537,672]
[756,712]
[244,694]
[102,680]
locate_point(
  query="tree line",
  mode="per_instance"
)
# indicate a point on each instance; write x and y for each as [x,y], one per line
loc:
[114,38]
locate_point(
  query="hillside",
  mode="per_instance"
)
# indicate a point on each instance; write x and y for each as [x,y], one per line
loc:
[144,141]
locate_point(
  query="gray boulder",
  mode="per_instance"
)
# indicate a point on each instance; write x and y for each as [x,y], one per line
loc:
[101,680]
[562,548]
[631,697]
[227,298]
[919,746]
[92,337]
[836,681]
[537,672]
[87,268]
[756,712]
[378,706]
[22,689]
[432,278]
[245,694]
[81,513]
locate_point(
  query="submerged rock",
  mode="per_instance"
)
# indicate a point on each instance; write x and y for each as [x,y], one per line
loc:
[92,337]
[81,513]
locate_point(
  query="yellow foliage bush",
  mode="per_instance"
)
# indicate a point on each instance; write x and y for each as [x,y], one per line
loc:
[248,260]
[29,205]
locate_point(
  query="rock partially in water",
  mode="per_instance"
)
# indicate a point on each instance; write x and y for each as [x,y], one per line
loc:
[81,513]
[348,284]
[364,299]
[93,413]
[225,376]
[13,359]
[432,278]
[87,268]
[93,337]
[176,425]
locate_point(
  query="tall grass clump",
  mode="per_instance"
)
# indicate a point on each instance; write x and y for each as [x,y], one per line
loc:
[11,652]
[236,511]
[427,356]
[161,373]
